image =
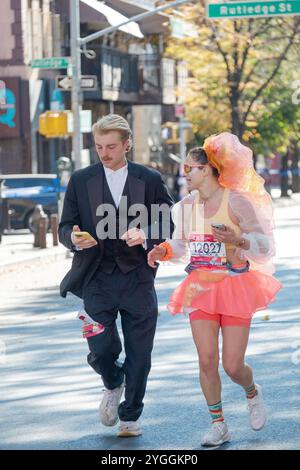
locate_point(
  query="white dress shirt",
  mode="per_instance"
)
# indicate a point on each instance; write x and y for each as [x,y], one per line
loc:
[116,181]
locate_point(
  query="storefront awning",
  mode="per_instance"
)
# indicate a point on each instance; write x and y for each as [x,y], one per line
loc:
[101,15]
[112,16]
[155,24]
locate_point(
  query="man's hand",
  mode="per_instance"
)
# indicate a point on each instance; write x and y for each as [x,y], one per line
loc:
[134,236]
[156,254]
[81,243]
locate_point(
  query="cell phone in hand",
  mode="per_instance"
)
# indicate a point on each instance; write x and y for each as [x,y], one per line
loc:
[82,235]
[219,226]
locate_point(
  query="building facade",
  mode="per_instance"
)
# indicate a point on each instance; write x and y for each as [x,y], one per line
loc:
[135,79]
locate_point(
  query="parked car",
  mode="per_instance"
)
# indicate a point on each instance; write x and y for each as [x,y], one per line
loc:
[24,192]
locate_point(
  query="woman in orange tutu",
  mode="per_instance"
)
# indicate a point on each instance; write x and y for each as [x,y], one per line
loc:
[225,226]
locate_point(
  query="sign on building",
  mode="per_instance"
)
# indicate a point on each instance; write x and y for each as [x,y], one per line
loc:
[10,107]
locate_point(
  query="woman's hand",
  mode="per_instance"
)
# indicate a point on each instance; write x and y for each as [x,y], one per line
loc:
[226,236]
[156,254]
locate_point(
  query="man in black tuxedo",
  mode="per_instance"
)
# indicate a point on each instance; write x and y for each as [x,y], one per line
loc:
[109,269]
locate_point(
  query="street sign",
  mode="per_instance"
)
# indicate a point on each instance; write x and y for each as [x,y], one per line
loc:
[250,9]
[51,63]
[87,82]
[63,82]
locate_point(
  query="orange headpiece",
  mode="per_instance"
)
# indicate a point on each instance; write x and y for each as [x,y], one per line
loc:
[234,161]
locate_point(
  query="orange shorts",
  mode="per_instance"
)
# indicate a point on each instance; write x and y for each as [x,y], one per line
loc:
[223,320]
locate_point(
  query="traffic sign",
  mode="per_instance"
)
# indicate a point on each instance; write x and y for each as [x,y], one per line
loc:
[51,63]
[250,9]
[87,82]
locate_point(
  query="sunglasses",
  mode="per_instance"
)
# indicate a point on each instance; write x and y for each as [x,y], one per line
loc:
[188,168]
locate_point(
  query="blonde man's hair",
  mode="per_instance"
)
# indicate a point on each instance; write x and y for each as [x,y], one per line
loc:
[113,122]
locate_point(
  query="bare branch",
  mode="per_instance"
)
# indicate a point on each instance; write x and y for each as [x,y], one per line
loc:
[222,52]
[267,25]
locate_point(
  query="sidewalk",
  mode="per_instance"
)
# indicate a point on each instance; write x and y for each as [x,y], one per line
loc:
[17,246]
[294,200]
[17,249]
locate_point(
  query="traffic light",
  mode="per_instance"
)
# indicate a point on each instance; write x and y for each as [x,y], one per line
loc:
[54,124]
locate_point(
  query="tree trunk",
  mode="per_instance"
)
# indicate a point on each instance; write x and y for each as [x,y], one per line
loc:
[284,180]
[295,168]
[237,127]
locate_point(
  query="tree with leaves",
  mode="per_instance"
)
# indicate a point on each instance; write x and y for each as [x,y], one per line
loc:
[234,65]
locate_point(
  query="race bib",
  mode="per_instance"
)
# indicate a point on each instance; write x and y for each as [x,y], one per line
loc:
[205,250]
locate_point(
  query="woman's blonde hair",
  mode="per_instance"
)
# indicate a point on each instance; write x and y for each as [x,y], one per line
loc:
[113,122]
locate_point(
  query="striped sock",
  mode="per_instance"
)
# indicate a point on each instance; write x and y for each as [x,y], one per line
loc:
[216,412]
[250,391]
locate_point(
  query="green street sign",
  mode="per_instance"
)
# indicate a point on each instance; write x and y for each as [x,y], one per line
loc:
[51,63]
[250,9]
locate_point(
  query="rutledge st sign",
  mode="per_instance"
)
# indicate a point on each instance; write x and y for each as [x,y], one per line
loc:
[250,9]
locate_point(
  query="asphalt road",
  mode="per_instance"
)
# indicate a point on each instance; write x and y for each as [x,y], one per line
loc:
[50,396]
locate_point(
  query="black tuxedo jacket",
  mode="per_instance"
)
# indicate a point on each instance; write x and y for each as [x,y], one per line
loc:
[84,195]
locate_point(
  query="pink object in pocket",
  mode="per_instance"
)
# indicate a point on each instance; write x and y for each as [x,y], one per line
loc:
[90,328]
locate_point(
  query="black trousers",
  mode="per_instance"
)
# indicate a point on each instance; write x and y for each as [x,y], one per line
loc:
[134,297]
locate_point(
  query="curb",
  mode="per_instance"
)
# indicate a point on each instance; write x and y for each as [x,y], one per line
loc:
[286,202]
[12,266]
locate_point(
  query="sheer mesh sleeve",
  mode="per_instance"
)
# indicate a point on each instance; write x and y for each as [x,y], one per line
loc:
[256,222]
[181,216]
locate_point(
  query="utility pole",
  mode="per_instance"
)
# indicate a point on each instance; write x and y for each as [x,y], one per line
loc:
[76,43]
[76,78]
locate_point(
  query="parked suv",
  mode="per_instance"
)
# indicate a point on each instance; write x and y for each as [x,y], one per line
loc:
[24,192]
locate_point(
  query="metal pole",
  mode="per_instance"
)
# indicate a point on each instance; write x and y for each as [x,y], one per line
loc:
[76,79]
[182,145]
[136,18]
[111,107]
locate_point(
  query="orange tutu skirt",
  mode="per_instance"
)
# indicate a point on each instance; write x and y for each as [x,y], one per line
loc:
[239,295]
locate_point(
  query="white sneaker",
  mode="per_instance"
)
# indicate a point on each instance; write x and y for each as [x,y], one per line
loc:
[109,406]
[129,429]
[217,435]
[256,407]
